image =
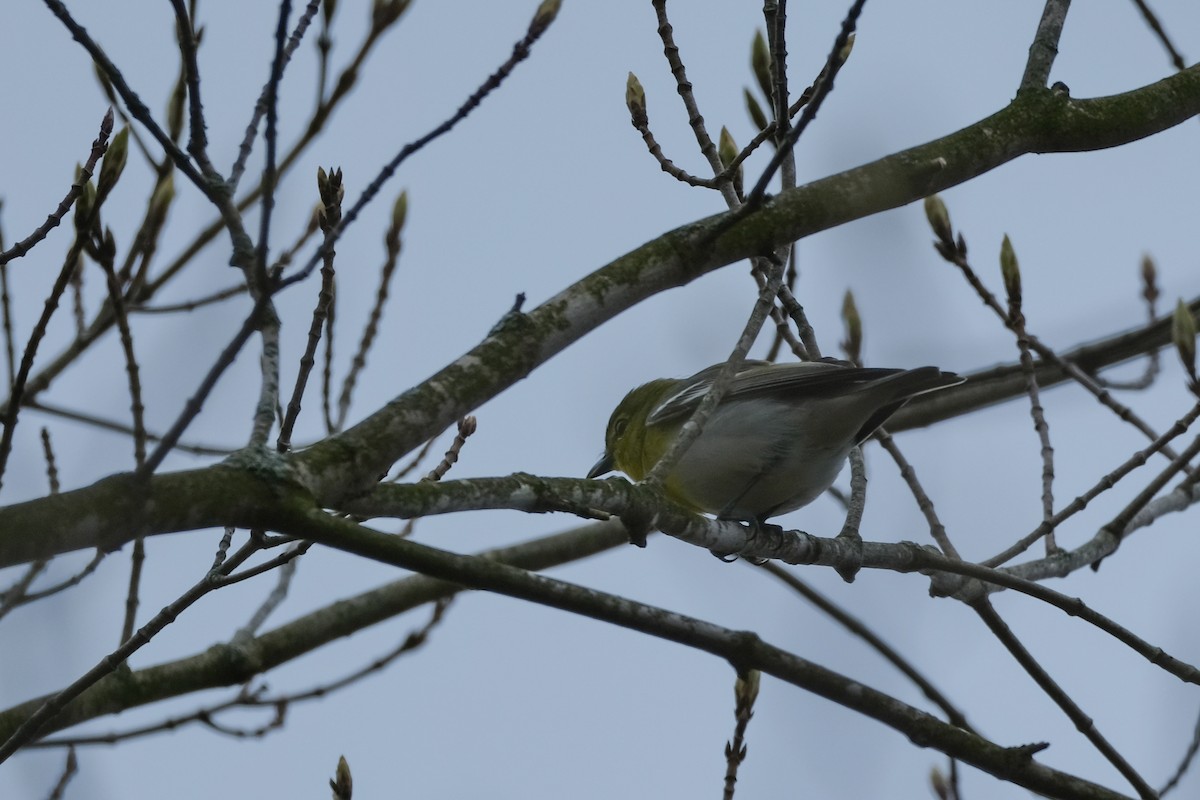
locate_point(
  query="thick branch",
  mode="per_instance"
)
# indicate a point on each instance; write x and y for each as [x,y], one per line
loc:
[1036,122]
[343,466]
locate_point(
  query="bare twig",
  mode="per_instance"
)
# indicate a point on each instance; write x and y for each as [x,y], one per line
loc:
[858,628]
[17,391]
[270,169]
[1177,60]
[99,145]
[953,250]
[833,64]
[1184,763]
[1045,45]
[136,107]
[466,427]
[69,770]
[936,529]
[192,305]
[49,709]
[332,191]
[393,243]
[1104,484]
[542,19]
[1083,722]
[1016,323]
[745,692]
[196,401]
[117,427]
[260,108]
[695,119]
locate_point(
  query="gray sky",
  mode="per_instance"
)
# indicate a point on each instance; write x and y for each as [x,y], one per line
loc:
[543,184]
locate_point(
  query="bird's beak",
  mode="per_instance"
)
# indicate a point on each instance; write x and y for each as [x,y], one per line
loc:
[604,465]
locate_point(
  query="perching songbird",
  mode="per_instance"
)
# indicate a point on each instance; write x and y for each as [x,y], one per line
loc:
[777,440]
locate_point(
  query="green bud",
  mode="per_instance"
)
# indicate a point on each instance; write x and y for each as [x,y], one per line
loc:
[854,333]
[175,108]
[1149,280]
[114,162]
[107,250]
[160,201]
[635,100]
[939,218]
[745,688]
[756,113]
[939,784]
[342,783]
[85,202]
[727,149]
[385,12]
[1183,333]
[545,14]
[848,48]
[1009,270]
[400,211]
[329,186]
[760,62]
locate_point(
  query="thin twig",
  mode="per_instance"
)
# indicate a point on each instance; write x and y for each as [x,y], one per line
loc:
[695,119]
[954,251]
[521,51]
[118,427]
[466,427]
[17,391]
[260,108]
[1115,528]
[1184,763]
[930,562]
[192,305]
[858,628]
[1150,296]
[28,729]
[1044,47]
[196,401]
[197,133]
[824,87]
[257,697]
[1083,723]
[277,595]
[332,191]
[99,145]
[1016,323]
[136,107]
[936,529]
[1177,59]
[69,770]
[1104,484]
[745,692]
[270,170]
[776,20]
[393,242]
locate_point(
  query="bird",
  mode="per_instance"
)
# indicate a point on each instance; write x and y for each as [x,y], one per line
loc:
[776,441]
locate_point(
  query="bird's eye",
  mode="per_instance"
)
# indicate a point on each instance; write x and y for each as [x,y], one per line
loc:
[619,426]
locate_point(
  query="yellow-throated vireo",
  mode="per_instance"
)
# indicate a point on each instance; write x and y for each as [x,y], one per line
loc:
[776,441]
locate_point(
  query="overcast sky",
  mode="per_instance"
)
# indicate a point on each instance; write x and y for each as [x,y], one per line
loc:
[543,184]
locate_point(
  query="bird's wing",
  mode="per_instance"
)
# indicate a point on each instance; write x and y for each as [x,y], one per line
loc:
[792,380]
